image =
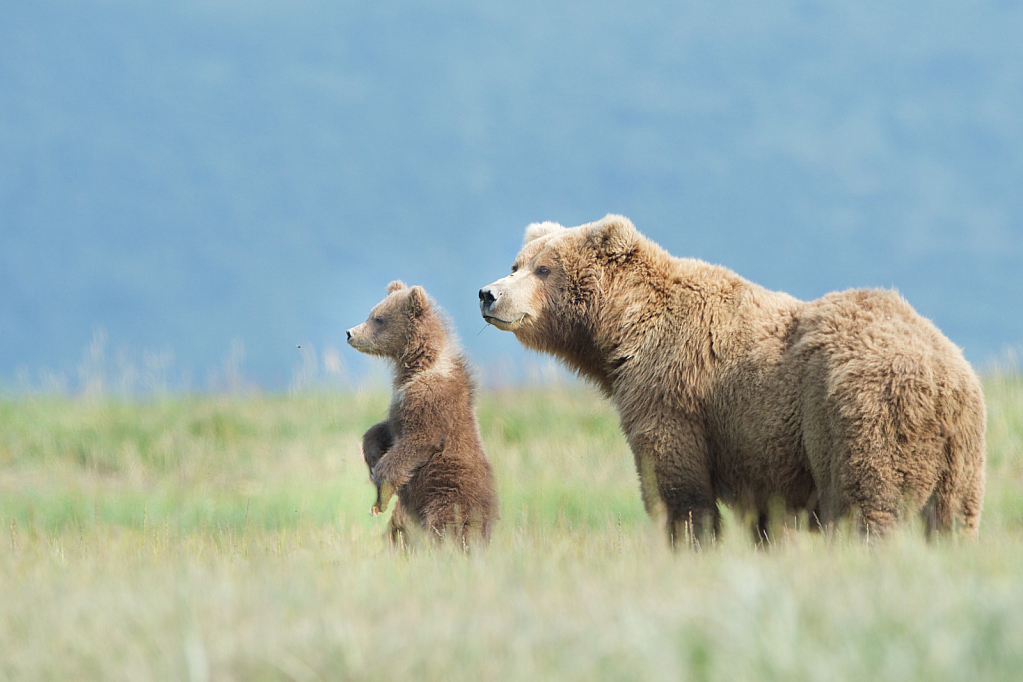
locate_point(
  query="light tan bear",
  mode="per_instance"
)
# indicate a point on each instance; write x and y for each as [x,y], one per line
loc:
[428,450]
[728,391]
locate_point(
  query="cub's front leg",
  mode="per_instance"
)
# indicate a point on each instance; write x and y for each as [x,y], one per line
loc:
[384,493]
[376,443]
[377,440]
[399,464]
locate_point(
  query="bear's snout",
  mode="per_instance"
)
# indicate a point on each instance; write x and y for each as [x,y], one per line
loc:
[487,299]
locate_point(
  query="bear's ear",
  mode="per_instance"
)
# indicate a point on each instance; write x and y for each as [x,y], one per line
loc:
[537,230]
[396,285]
[615,235]
[416,302]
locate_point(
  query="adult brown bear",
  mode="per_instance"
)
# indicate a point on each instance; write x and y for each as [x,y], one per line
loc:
[728,391]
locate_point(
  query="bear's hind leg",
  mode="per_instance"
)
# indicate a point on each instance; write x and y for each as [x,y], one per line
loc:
[949,504]
[874,489]
[959,494]
[397,527]
[973,501]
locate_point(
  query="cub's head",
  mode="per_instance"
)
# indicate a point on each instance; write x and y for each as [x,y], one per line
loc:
[556,280]
[391,322]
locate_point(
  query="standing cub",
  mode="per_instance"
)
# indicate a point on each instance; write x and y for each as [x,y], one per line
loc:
[428,450]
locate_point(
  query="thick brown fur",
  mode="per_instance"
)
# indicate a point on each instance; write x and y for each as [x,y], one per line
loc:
[428,450]
[728,391]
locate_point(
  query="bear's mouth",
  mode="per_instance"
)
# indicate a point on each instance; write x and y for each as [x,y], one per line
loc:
[501,323]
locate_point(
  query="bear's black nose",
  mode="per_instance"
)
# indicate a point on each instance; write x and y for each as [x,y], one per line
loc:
[486,298]
[348,333]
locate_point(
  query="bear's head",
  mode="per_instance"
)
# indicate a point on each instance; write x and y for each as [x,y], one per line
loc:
[552,296]
[392,322]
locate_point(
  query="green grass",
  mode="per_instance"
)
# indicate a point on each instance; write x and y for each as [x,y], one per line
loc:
[208,538]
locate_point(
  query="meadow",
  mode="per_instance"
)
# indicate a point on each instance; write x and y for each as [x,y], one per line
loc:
[229,538]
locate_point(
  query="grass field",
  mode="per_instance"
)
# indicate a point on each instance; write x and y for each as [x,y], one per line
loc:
[229,538]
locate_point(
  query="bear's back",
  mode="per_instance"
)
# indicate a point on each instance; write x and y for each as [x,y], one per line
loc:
[804,371]
[875,330]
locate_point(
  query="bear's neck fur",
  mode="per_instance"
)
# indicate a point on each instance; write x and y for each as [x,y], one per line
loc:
[575,345]
[428,338]
[622,307]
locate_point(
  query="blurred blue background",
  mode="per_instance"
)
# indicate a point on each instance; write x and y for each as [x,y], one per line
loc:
[190,190]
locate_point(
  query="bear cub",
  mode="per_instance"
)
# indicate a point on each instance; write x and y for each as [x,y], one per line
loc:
[428,451]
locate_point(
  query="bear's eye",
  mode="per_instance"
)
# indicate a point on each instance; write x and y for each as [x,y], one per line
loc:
[378,320]
[543,271]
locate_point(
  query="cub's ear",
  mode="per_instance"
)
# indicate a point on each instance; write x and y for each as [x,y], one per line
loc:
[396,285]
[615,235]
[537,230]
[416,302]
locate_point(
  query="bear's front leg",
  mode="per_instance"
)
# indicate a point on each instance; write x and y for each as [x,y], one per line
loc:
[384,493]
[693,516]
[674,469]
[377,440]
[399,464]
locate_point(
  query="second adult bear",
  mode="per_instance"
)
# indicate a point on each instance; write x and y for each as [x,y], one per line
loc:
[428,450]
[728,391]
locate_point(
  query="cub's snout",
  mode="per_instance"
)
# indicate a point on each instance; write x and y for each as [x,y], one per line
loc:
[354,337]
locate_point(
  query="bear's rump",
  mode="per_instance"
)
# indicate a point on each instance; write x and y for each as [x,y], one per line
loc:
[451,478]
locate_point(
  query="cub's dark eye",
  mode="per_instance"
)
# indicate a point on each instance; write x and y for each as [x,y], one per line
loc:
[378,321]
[543,271]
